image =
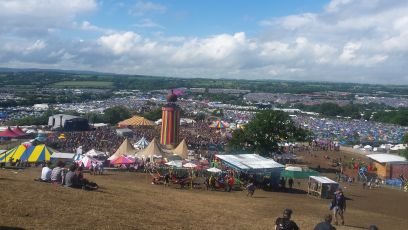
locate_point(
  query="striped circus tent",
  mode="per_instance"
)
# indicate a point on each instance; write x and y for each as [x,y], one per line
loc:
[136,121]
[141,144]
[5,157]
[30,154]
[219,125]
[78,157]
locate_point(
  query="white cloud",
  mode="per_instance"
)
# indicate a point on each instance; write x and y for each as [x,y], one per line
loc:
[36,17]
[148,23]
[349,51]
[46,9]
[291,22]
[120,43]
[87,26]
[348,40]
[145,7]
[335,5]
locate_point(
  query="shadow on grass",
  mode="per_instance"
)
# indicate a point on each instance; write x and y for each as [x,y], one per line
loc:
[353,226]
[10,228]
[289,191]
[326,170]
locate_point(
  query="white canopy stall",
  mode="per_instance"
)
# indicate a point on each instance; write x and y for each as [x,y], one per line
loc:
[254,164]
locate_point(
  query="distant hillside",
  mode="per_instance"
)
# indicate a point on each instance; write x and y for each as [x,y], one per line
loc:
[46,78]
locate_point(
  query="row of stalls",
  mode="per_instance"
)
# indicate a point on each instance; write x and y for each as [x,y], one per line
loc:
[318,186]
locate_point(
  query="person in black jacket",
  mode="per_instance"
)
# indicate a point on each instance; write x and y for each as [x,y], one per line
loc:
[284,223]
[338,206]
[326,224]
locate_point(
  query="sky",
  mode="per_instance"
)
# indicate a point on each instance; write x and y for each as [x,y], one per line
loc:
[363,41]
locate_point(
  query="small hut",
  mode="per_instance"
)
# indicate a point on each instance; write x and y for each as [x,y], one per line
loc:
[321,187]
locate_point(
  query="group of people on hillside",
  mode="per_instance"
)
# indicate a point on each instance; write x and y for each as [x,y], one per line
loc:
[71,178]
[227,181]
[338,207]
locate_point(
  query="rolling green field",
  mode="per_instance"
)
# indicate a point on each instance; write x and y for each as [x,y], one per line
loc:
[83,84]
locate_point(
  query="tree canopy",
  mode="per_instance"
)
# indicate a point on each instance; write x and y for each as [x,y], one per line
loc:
[264,133]
[115,114]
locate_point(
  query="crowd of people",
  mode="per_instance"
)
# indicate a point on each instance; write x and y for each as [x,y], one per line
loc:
[198,136]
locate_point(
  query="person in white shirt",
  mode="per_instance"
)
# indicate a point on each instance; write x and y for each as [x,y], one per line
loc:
[46,173]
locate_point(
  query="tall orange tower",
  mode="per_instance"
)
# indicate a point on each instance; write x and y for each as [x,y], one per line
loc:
[170,129]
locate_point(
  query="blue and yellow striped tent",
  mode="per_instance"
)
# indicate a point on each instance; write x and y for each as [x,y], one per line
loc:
[30,154]
[5,157]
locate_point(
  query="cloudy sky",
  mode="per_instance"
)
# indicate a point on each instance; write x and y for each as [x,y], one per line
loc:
[338,40]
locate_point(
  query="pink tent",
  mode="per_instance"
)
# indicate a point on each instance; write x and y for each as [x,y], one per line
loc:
[8,133]
[122,160]
[19,131]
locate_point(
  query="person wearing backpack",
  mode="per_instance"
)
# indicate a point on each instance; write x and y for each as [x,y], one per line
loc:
[285,223]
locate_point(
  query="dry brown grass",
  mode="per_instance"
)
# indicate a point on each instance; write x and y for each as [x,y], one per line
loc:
[129,201]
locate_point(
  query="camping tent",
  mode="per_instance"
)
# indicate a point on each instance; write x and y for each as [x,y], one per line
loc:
[219,124]
[181,150]
[124,149]
[142,143]
[30,154]
[153,149]
[136,121]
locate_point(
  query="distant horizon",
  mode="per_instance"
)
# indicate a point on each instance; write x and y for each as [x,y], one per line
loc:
[356,41]
[206,78]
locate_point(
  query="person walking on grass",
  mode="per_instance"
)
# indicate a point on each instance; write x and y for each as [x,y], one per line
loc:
[338,206]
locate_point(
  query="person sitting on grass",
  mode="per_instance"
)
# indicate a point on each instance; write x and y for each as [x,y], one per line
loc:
[72,179]
[46,173]
[86,184]
[57,174]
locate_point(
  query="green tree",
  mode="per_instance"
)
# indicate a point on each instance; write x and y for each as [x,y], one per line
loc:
[218,113]
[153,115]
[115,114]
[405,138]
[404,153]
[200,116]
[264,133]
